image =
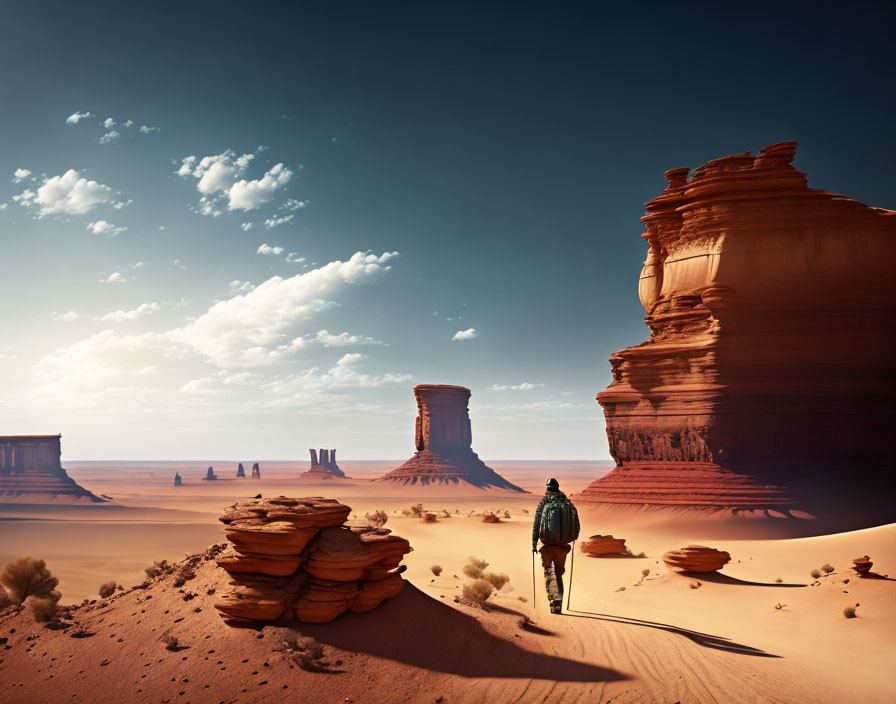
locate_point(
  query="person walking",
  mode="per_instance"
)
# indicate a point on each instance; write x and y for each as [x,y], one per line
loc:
[556,526]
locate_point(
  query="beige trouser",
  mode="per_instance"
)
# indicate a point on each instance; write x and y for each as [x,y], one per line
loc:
[553,559]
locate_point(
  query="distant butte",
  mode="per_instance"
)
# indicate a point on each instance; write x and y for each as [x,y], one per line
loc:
[31,471]
[323,466]
[444,444]
[766,383]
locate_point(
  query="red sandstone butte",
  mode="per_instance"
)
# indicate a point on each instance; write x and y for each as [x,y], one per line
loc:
[444,444]
[767,380]
[31,471]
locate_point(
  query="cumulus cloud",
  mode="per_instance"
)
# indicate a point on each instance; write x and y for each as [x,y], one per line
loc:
[268,249]
[108,123]
[114,278]
[240,286]
[277,220]
[525,386]
[66,317]
[343,339]
[248,195]
[467,334]
[293,204]
[110,136]
[144,129]
[76,117]
[247,226]
[101,227]
[294,258]
[120,316]
[259,327]
[344,375]
[69,194]
[20,175]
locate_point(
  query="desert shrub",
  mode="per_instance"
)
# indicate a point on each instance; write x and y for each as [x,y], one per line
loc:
[695,585]
[507,514]
[377,519]
[107,589]
[474,567]
[477,591]
[417,510]
[645,572]
[43,608]
[827,568]
[157,568]
[490,518]
[778,580]
[815,574]
[184,574]
[26,577]
[445,513]
[430,518]
[496,579]
[850,612]
[436,570]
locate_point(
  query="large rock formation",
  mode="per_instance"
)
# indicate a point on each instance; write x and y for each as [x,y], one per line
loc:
[256,471]
[766,382]
[696,558]
[240,472]
[443,438]
[210,475]
[323,466]
[31,471]
[296,554]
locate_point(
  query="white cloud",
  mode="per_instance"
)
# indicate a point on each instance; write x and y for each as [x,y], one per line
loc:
[268,249]
[240,286]
[101,227]
[204,385]
[76,117]
[467,334]
[149,130]
[128,123]
[525,386]
[120,316]
[343,339]
[20,175]
[68,194]
[122,204]
[293,204]
[108,123]
[114,278]
[344,375]
[294,258]
[247,226]
[259,327]
[277,220]
[66,317]
[248,195]
[110,136]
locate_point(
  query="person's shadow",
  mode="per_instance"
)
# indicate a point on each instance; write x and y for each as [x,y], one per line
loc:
[420,631]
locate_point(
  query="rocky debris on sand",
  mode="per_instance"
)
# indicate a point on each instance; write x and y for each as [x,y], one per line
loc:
[696,558]
[298,554]
[604,545]
[862,565]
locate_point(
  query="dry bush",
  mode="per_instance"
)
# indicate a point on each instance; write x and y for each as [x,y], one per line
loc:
[490,518]
[430,518]
[827,568]
[474,567]
[26,577]
[645,572]
[43,608]
[445,514]
[850,612]
[107,589]
[507,514]
[815,574]
[640,554]
[695,585]
[436,570]
[496,579]
[417,510]
[778,580]
[157,568]
[477,591]
[377,519]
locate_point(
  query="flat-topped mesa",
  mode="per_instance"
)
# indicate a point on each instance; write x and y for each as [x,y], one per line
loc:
[323,466]
[443,439]
[766,382]
[31,471]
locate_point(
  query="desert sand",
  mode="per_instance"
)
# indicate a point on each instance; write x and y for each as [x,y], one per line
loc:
[624,638]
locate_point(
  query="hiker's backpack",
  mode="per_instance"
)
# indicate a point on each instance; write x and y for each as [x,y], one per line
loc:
[559,522]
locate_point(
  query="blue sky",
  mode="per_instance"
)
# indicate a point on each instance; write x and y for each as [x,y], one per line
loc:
[233,231]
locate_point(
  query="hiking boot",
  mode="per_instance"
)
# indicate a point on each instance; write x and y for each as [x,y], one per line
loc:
[556,607]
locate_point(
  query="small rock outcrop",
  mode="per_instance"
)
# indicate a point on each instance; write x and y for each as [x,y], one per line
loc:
[323,466]
[443,438]
[210,475]
[297,555]
[604,545]
[178,481]
[240,472]
[256,472]
[862,565]
[696,558]
[31,471]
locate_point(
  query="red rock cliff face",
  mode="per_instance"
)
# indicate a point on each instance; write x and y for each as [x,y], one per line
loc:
[767,380]
[31,471]
[444,443]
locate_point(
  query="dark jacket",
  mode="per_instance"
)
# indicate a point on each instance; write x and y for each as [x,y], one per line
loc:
[536,526]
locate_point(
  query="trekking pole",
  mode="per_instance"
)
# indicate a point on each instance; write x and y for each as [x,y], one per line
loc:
[572,564]
[533,579]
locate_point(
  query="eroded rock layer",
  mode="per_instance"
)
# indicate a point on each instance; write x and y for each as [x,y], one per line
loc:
[766,382]
[443,438]
[297,554]
[31,471]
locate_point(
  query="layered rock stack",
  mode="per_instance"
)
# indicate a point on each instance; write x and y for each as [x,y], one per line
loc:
[296,556]
[240,472]
[696,558]
[31,471]
[256,472]
[323,466]
[598,545]
[443,439]
[767,381]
